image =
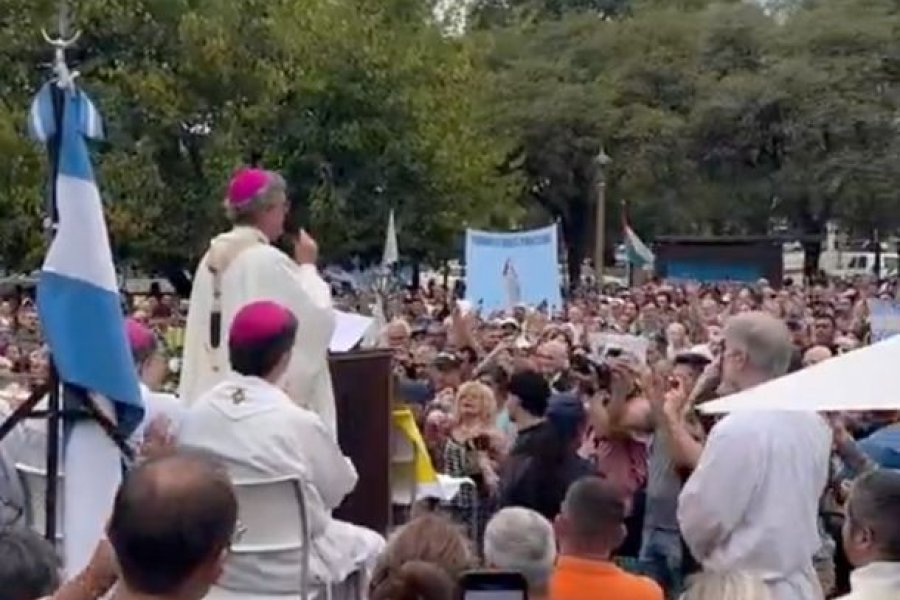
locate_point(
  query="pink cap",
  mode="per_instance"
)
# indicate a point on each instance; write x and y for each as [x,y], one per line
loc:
[139,336]
[259,321]
[245,184]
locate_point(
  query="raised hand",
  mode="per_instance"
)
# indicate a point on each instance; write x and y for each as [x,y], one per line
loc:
[306,250]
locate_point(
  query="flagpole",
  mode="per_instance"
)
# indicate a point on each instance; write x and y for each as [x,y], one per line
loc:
[48,129]
[64,79]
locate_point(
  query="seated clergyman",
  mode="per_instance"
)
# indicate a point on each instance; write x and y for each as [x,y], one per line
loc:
[259,432]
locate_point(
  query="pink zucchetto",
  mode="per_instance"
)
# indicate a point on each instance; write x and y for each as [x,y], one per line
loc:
[259,321]
[139,336]
[141,340]
[245,184]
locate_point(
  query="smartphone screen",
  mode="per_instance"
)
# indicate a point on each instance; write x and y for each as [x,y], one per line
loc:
[488,585]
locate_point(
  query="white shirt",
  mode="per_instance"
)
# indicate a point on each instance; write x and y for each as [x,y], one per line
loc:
[262,272]
[159,404]
[875,581]
[260,433]
[752,503]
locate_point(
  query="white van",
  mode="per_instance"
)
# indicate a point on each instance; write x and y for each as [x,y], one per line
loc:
[847,264]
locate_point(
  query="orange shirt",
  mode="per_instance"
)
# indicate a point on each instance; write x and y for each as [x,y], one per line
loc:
[582,579]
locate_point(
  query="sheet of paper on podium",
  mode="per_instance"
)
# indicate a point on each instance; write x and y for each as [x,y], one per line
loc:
[349,330]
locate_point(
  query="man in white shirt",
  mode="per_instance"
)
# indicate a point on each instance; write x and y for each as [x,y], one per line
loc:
[872,536]
[249,423]
[752,503]
[242,266]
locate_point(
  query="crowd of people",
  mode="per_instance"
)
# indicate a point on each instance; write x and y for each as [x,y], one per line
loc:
[527,401]
[24,364]
[592,471]
[595,475]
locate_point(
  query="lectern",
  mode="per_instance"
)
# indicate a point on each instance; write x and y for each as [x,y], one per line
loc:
[363,395]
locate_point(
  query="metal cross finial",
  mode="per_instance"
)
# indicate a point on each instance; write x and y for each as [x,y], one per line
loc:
[64,77]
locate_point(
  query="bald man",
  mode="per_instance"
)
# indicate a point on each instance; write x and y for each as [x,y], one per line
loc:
[172,522]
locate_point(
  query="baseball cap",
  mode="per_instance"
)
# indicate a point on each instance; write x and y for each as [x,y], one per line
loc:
[567,414]
[446,361]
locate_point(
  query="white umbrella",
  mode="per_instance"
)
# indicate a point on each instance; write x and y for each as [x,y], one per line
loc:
[864,379]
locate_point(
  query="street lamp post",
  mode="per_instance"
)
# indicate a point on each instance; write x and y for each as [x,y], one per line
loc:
[602,160]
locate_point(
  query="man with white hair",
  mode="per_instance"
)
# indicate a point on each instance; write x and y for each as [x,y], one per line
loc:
[752,503]
[396,335]
[242,266]
[522,541]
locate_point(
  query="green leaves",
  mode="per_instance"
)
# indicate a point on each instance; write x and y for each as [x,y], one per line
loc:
[720,118]
[363,106]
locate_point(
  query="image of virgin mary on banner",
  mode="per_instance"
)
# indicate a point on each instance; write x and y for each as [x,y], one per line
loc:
[511,281]
[506,269]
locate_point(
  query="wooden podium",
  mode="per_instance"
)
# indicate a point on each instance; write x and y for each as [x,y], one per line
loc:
[363,396]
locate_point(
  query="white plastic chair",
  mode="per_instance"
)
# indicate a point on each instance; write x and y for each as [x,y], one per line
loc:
[34,480]
[272,517]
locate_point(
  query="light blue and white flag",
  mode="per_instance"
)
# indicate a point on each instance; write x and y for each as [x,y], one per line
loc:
[636,251]
[81,316]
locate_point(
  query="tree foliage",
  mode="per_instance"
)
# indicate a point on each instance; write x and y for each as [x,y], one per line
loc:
[364,106]
[720,118]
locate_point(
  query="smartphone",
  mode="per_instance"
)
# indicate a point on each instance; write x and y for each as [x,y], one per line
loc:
[613,352]
[493,585]
[482,442]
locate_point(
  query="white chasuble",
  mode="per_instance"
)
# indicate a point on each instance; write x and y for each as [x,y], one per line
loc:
[259,433]
[251,270]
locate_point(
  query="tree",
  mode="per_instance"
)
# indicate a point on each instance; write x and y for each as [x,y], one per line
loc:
[809,122]
[568,87]
[721,118]
[503,13]
[363,107]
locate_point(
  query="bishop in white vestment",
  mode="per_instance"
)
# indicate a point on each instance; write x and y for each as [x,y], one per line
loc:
[159,407]
[249,423]
[242,266]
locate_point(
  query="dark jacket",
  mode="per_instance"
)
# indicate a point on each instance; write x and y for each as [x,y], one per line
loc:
[539,470]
